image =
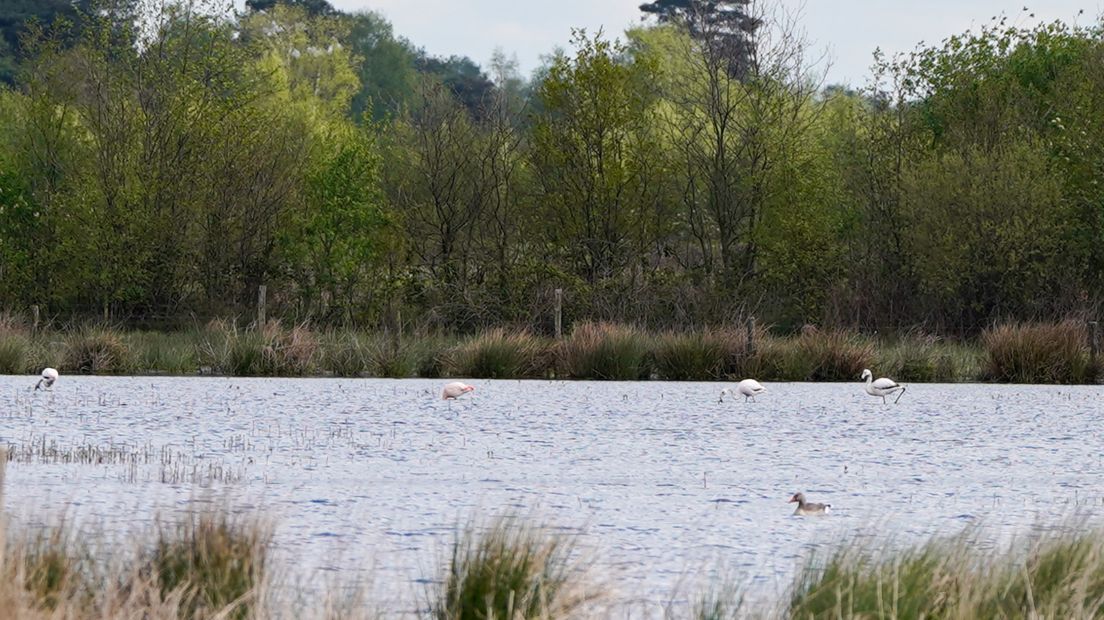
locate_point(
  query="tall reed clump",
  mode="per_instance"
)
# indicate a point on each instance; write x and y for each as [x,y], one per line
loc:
[15,346]
[1059,576]
[272,349]
[96,349]
[928,358]
[705,355]
[498,354]
[51,569]
[815,355]
[604,351]
[1039,353]
[510,571]
[344,354]
[174,353]
[217,565]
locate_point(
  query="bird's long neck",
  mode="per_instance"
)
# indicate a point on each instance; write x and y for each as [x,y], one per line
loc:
[869,379]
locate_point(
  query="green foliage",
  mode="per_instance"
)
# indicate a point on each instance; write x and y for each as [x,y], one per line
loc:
[173,169]
[343,230]
[593,153]
[386,67]
[15,345]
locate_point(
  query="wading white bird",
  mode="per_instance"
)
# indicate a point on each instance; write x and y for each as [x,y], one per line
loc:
[454,390]
[748,387]
[49,375]
[809,508]
[882,387]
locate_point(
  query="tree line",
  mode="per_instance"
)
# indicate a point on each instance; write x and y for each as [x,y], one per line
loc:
[166,160]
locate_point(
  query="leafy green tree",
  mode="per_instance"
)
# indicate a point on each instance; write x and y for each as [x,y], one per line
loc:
[386,67]
[307,52]
[314,8]
[592,152]
[343,229]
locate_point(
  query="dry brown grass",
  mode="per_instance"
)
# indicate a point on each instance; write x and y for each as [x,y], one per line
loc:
[604,351]
[1039,353]
[499,354]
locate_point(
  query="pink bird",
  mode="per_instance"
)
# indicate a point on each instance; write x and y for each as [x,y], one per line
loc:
[454,390]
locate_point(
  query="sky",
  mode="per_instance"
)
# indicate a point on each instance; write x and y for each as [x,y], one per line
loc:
[847,30]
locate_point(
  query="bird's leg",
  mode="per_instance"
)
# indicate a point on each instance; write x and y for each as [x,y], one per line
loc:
[899,395]
[883,399]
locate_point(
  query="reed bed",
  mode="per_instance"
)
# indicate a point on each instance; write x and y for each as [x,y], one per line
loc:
[702,355]
[605,351]
[499,354]
[1019,353]
[1039,353]
[96,350]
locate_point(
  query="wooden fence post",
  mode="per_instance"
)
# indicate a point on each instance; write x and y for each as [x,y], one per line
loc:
[559,313]
[262,294]
[750,336]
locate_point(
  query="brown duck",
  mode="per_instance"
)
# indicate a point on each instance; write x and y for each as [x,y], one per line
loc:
[809,508]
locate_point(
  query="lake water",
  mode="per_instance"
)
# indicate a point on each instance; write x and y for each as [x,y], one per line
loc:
[661,485]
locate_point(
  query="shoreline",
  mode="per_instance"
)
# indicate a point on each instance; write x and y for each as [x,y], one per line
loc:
[1039,354]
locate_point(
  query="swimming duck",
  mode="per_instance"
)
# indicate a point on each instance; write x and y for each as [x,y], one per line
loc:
[809,508]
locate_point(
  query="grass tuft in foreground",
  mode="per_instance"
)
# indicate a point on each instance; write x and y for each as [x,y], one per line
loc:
[1053,576]
[509,571]
[215,562]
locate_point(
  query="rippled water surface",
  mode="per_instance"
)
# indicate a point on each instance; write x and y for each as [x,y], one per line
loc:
[662,483]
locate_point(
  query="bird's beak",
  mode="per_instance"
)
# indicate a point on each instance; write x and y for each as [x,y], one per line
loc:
[792,500]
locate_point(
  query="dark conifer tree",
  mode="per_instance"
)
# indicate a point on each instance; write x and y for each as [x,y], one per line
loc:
[726,26]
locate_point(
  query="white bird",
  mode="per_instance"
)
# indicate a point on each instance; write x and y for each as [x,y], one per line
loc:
[882,387]
[748,387]
[49,375]
[454,390]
